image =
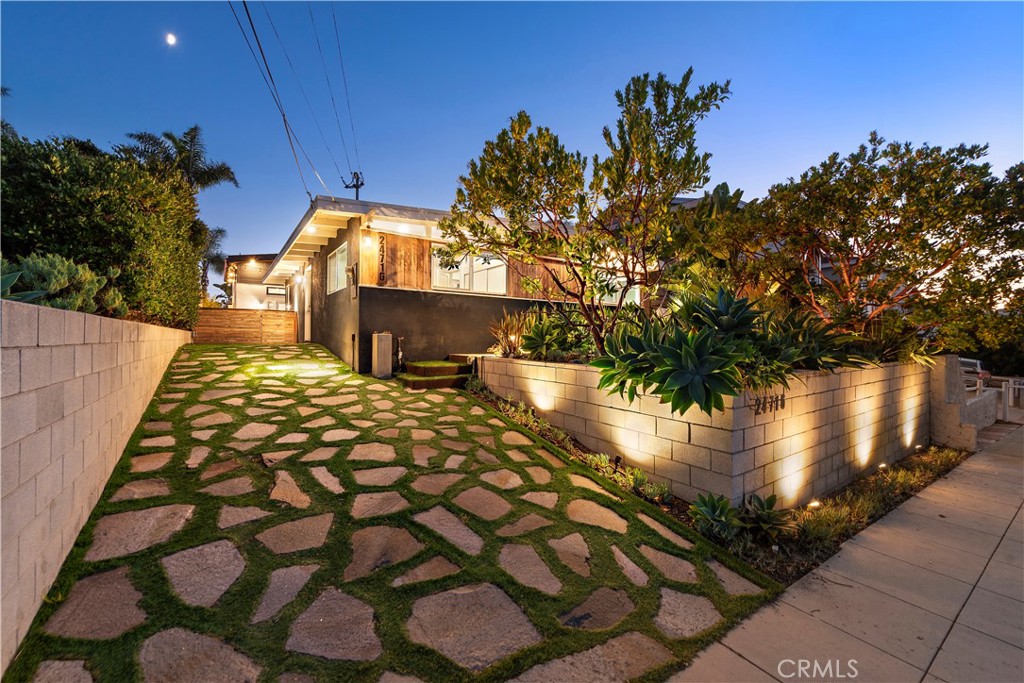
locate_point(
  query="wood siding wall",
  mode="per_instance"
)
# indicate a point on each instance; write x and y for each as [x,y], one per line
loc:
[235,325]
[407,266]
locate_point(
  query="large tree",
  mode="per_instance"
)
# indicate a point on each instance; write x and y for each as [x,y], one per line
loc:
[588,233]
[923,238]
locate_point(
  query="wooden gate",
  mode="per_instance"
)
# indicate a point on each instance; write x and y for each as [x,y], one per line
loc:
[241,325]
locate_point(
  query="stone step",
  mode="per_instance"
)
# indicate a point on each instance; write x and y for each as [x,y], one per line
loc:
[464,358]
[438,368]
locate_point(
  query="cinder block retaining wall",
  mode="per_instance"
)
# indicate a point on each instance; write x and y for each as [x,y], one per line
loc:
[827,430]
[74,387]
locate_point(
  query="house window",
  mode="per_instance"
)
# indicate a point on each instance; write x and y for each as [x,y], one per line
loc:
[632,296]
[483,274]
[337,261]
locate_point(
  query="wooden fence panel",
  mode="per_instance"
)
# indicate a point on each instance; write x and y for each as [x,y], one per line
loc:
[239,325]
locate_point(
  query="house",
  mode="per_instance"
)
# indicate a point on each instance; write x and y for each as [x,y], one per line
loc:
[351,268]
[245,273]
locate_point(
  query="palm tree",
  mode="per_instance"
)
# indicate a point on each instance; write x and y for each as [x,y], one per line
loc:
[186,153]
[213,255]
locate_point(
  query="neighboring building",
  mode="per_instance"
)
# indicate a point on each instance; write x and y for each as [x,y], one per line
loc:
[352,268]
[245,274]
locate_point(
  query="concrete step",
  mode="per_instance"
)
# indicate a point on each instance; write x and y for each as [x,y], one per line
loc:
[437,368]
[435,382]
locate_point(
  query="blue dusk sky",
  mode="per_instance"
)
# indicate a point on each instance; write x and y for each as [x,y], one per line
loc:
[430,82]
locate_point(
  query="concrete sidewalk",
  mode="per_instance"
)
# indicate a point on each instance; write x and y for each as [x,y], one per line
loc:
[934,591]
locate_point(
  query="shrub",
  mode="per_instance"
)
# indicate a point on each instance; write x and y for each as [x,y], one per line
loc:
[55,281]
[509,331]
[67,197]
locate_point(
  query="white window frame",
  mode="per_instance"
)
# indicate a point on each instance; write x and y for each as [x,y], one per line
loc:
[337,274]
[472,273]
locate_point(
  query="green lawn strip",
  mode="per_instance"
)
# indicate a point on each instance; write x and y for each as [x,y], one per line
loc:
[229,618]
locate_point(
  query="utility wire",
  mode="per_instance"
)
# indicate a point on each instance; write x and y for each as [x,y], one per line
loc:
[298,82]
[348,101]
[268,79]
[280,102]
[330,89]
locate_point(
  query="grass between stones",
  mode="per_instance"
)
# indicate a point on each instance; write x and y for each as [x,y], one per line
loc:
[283,380]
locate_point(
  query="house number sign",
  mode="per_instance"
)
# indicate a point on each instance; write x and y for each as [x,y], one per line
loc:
[381,277]
[768,404]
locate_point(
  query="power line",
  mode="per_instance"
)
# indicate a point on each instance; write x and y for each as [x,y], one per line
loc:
[268,79]
[330,89]
[348,100]
[298,82]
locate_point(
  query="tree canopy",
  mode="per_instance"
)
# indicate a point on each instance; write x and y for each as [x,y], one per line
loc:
[587,232]
[185,153]
[890,237]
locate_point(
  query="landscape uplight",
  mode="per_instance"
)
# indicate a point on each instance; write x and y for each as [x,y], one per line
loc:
[814,504]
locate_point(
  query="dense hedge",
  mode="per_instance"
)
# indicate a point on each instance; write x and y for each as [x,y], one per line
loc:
[66,196]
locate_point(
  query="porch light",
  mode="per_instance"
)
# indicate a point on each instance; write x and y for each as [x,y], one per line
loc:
[300,279]
[367,241]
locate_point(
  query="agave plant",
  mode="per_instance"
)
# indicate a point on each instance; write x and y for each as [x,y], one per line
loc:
[764,521]
[682,367]
[509,331]
[716,517]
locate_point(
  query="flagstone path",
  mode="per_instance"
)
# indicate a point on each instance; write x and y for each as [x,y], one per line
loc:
[278,518]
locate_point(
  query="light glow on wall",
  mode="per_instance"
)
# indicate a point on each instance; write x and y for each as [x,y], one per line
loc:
[867,425]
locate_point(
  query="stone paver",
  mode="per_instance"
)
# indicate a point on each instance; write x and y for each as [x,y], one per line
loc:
[540,475]
[379,476]
[327,480]
[377,504]
[287,491]
[379,546]
[285,584]
[444,523]
[98,607]
[547,499]
[238,486]
[435,484]
[255,430]
[524,565]
[636,575]
[163,659]
[482,503]
[233,516]
[664,531]
[141,488]
[62,671]
[336,626]
[674,568]
[301,534]
[151,462]
[588,512]
[273,457]
[490,626]
[620,659]
[524,524]
[125,533]
[219,468]
[682,615]
[379,452]
[733,583]
[502,479]
[573,552]
[319,454]
[201,575]
[603,609]
[434,568]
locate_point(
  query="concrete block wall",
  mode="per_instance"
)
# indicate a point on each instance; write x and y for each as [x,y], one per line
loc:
[830,427]
[73,388]
[957,414]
